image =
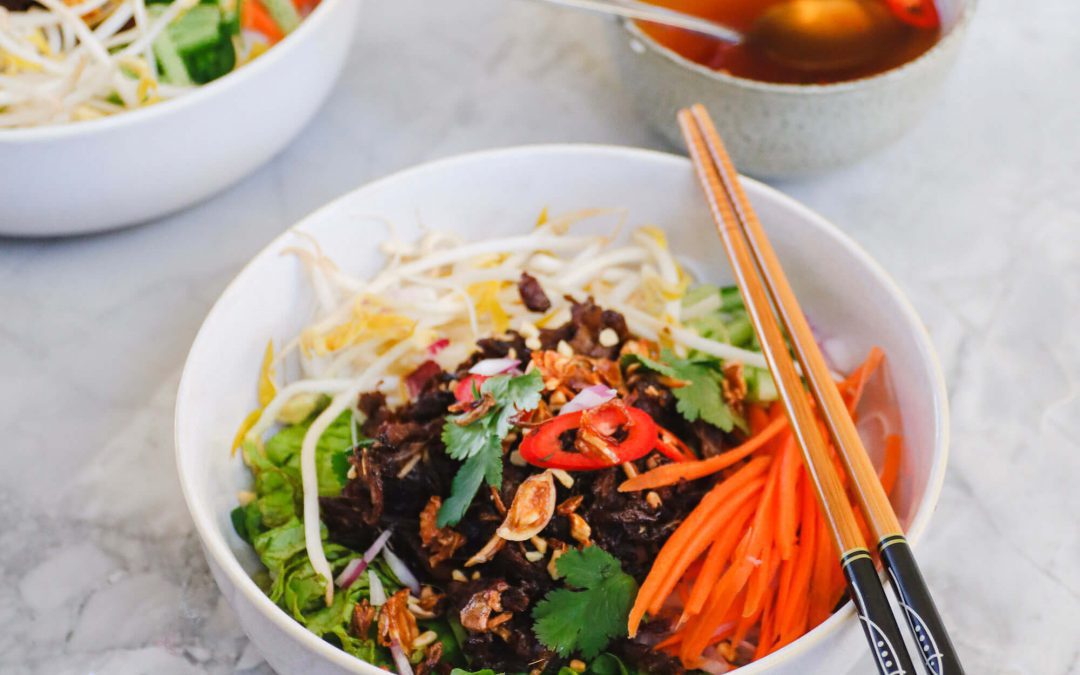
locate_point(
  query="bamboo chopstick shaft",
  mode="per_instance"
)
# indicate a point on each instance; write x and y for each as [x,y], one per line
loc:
[935,647]
[864,586]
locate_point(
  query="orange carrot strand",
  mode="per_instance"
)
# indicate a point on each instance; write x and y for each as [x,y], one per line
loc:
[669,474]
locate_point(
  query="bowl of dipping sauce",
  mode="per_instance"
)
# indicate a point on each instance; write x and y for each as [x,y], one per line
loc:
[781,119]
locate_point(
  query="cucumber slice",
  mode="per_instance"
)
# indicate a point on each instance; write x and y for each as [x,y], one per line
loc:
[761,386]
[196,48]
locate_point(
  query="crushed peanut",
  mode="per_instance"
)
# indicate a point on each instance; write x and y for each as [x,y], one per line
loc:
[608,338]
[652,498]
[245,497]
[534,556]
[563,477]
[553,570]
[485,554]
[578,666]
[458,575]
[564,349]
[533,343]
[579,529]
[569,505]
[540,544]
[424,639]
[517,460]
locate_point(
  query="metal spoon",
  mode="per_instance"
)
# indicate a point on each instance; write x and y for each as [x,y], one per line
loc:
[809,35]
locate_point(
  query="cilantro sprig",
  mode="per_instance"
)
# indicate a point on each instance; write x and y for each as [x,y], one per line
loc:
[703,396]
[479,443]
[587,619]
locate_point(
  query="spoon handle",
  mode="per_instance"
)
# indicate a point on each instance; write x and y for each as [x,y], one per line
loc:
[634,9]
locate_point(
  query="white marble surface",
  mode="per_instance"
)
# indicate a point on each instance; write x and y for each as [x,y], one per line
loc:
[976,213]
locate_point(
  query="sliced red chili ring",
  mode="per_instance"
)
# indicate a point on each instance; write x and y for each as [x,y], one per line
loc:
[918,13]
[672,447]
[634,429]
[465,391]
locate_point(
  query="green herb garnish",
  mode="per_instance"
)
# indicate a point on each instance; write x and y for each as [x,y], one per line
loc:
[585,620]
[479,443]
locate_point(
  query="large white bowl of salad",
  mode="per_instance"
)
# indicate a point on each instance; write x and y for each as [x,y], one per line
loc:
[505,414]
[115,112]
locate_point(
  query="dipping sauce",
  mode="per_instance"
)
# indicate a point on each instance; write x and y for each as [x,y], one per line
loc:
[895,43]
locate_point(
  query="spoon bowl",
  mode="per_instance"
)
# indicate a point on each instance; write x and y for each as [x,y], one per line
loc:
[826,35]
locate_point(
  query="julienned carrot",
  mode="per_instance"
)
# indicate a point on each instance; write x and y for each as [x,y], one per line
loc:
[856,382]
[757,417]
[793,623]
[790,468]
[719,556]
[666,571]
[759,582]
[755,553]
[253,16]
[669,474]
[890,468]
[701,531]
[722,606]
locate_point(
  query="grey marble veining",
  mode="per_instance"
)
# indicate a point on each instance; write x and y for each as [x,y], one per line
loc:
[976,213]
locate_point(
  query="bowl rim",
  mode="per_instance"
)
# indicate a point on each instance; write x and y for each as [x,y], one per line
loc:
[954,35]
[279,51]
[221,556]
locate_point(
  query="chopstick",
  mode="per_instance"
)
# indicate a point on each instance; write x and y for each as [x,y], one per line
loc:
[935,647]
[864,585]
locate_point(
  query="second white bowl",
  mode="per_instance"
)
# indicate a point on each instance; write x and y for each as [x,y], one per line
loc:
[139,165]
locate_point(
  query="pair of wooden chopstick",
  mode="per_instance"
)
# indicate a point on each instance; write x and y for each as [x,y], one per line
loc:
[763,284]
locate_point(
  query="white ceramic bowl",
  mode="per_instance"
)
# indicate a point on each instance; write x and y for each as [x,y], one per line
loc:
[136,166]
[499,193]
[781,130]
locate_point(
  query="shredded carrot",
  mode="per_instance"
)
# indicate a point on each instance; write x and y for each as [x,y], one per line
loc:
[694,533]
[790,468]
[755,558]
[757,418]
[669,474]
[719,555]
[891,467]
[253,16]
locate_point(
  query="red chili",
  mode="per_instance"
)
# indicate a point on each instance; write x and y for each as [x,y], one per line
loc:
[918,13]
[672,447]
[465,391]
[543,447]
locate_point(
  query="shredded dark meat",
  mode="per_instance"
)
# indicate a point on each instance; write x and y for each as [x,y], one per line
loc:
[582,332]
[532,294]
[17,5]
[402,477]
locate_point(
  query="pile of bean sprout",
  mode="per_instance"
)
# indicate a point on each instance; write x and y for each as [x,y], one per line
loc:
[64,63]
[436,297]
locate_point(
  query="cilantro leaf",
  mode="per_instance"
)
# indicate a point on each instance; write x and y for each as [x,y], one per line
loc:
[585,620]
[514,395]
[479,443]
[463,442]
[702,397]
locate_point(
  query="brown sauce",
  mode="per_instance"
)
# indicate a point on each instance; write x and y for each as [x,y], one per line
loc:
[907,43]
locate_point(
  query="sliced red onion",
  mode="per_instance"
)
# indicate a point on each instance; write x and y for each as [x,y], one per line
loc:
[402,571]
[351,573]
[356,567]
[437,346]
[589,397]
[401,660]
[489,367]
[377,592]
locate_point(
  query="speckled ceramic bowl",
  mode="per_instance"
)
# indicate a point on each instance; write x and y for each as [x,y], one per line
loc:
[776,130]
